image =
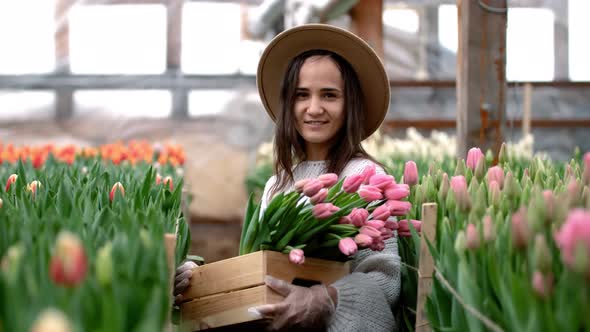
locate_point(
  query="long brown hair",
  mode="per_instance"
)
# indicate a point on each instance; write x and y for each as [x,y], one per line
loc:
[289,147]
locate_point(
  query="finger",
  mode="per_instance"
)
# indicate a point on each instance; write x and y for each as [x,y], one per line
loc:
[181,286]
[188,265]
[184,275]
[178,299]
[265,309]
[278,285]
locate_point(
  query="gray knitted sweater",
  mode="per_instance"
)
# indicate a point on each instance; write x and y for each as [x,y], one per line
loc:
[367,296]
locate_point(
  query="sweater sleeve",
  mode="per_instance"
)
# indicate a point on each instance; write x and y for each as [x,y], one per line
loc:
[367,296]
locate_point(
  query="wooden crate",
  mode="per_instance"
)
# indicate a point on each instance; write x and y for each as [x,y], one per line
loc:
[222,291]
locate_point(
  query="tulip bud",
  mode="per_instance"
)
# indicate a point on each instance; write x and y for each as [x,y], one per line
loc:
[11,179]
[542,283]
[399,208]
[298,187]
[1,203]
[573,190]
[474,155]
[511,186]
[444,187]
[158,179]
[68,263]
[390,224]
[381,181]
[368,172]
[494,194]
[502,155]
[84,170]
[410,173]
[324,210]
[377,245]
[11,261]
[312,187]
[461,196]
[381,213]
[104,265]
[460,242]
[451,202]
[496,173]
[520,228]
[358,216]
[33,187]
[319,197]
[573,240]
[296,256]
[404,225]
[472,237]
[396,191]
[328,179]
[480,169]
[117,187]
[168,182]
[489,230]
[352,183]
[363,240]
[541,254]
[370,231]
[347,246]
[461,168]
[375,223]
[370,193]
[586,172]
[52,320]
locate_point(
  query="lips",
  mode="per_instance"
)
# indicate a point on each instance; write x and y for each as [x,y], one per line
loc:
[315,122]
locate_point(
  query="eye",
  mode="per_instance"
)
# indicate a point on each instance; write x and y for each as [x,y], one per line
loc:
[300,94]
[330,95]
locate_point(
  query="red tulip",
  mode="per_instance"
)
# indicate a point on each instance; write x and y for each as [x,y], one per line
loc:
[68,263]
[116,187]
[11,179]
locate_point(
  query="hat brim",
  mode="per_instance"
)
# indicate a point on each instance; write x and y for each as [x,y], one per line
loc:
[366,63]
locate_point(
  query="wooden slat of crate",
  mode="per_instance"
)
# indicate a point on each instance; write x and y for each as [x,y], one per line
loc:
[228,308]
[249,270]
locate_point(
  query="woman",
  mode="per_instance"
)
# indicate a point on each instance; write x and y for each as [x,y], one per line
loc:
[326,90]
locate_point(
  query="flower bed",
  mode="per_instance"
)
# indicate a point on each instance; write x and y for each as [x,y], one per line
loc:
[82,241]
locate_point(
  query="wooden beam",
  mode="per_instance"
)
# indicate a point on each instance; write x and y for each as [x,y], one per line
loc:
[481,75]
[367,23]
[429,218]
[64,96]
[174,34]
[436,123]
[561,40]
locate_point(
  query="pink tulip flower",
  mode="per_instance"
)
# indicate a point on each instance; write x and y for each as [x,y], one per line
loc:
[296,256]
[410,173]
[370,231]
[399,208]
[377,224]
[352,183]
[328,179]
[474,155]
[573,240]
[489,232]
[363,240]
[368,172]
[319,197]
[370,193]
[312,187]
[520,228]
[386,233]
[298,187]
[382,212]
[324,210]
[392,225]
[542,284]
[345,220]
[472,236]
[347,246]
[381,181]
[496,173]
[404,226]
[377,245]
[396,191]
[358,216]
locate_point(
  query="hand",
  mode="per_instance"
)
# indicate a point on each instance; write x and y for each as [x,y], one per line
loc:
[182,279]
[302,308]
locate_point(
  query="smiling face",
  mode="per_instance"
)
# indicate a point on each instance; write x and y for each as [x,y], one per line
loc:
[319,105]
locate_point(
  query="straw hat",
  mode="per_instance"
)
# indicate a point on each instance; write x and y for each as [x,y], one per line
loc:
[290,43]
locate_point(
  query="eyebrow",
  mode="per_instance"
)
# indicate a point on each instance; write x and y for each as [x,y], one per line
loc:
[322,89]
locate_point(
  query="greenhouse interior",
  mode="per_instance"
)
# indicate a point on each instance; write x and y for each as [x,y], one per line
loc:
[294,165]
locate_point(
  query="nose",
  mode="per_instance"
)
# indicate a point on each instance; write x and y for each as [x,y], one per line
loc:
[315,106]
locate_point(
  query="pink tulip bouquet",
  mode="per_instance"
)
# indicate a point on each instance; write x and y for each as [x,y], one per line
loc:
[329,217]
